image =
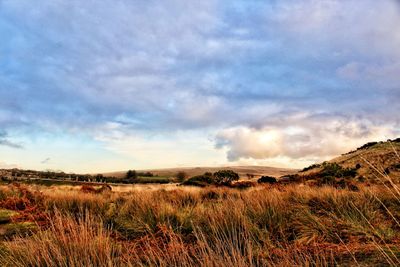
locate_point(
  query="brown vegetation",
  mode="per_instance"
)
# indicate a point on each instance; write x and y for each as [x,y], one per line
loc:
[267,225]
[321,217]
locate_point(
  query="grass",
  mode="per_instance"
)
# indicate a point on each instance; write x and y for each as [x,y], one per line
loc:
[293,225]
[5,215]
[266,226]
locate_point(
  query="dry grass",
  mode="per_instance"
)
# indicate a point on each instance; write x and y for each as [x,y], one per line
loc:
[267,226]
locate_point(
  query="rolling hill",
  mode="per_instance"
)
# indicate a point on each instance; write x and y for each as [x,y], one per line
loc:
[368,162]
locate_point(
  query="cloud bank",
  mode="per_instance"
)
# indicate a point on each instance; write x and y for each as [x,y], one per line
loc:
[259,79]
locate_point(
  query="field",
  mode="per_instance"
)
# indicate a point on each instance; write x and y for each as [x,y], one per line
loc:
[166,225]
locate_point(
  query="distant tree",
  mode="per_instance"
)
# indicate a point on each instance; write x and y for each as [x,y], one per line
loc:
[181,176]
[99,177]
[225,177]
[131,176]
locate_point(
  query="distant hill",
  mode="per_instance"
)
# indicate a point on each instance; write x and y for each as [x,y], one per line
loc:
[367,161]
[245,172]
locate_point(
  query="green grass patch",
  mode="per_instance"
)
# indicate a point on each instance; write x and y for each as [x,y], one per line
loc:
[20,228]
[5,215]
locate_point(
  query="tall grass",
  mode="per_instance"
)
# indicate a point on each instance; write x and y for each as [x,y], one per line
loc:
[285,226]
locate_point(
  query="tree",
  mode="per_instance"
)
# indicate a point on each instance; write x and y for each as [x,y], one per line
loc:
[181,176]
[131,176]
[225,177]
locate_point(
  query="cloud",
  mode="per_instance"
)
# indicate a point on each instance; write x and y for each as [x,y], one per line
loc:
[4,141]
[194,65]
[45,161]
[300,138]
[236,70]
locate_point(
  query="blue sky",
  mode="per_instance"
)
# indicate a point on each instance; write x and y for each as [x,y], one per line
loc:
[94,86]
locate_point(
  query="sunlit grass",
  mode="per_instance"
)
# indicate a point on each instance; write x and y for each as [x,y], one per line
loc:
[265,226]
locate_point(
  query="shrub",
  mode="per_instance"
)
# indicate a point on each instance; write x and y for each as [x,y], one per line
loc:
[267,179]
[311,167]
[181,176]
[367,145]
[225,177]
[335,170]
[131,176]
[200,180]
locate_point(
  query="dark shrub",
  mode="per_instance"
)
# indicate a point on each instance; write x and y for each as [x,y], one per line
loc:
[367,145]
[225,177]
[130,176]
[181,176]
[335,170]
[311,167]
[267,179]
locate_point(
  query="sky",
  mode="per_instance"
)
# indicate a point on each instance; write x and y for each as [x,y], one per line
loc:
[96,86]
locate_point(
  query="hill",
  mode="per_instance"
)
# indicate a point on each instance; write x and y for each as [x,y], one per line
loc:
[366,163]
[244,172]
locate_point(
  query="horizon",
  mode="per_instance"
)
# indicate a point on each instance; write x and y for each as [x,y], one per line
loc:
[97,87]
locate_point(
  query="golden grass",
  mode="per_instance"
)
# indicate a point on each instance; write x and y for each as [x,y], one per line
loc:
[267,226]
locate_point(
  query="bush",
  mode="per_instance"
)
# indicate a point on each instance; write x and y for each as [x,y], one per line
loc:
[335,170]
[367,145]
[200,180]
[225,177]
[130,176]
[311,167]
[267,179]
[181,176]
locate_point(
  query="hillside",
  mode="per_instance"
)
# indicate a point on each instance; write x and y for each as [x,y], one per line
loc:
[368,161]
[244,171]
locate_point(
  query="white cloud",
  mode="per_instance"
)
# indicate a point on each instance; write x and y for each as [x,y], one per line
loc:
[300,139]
